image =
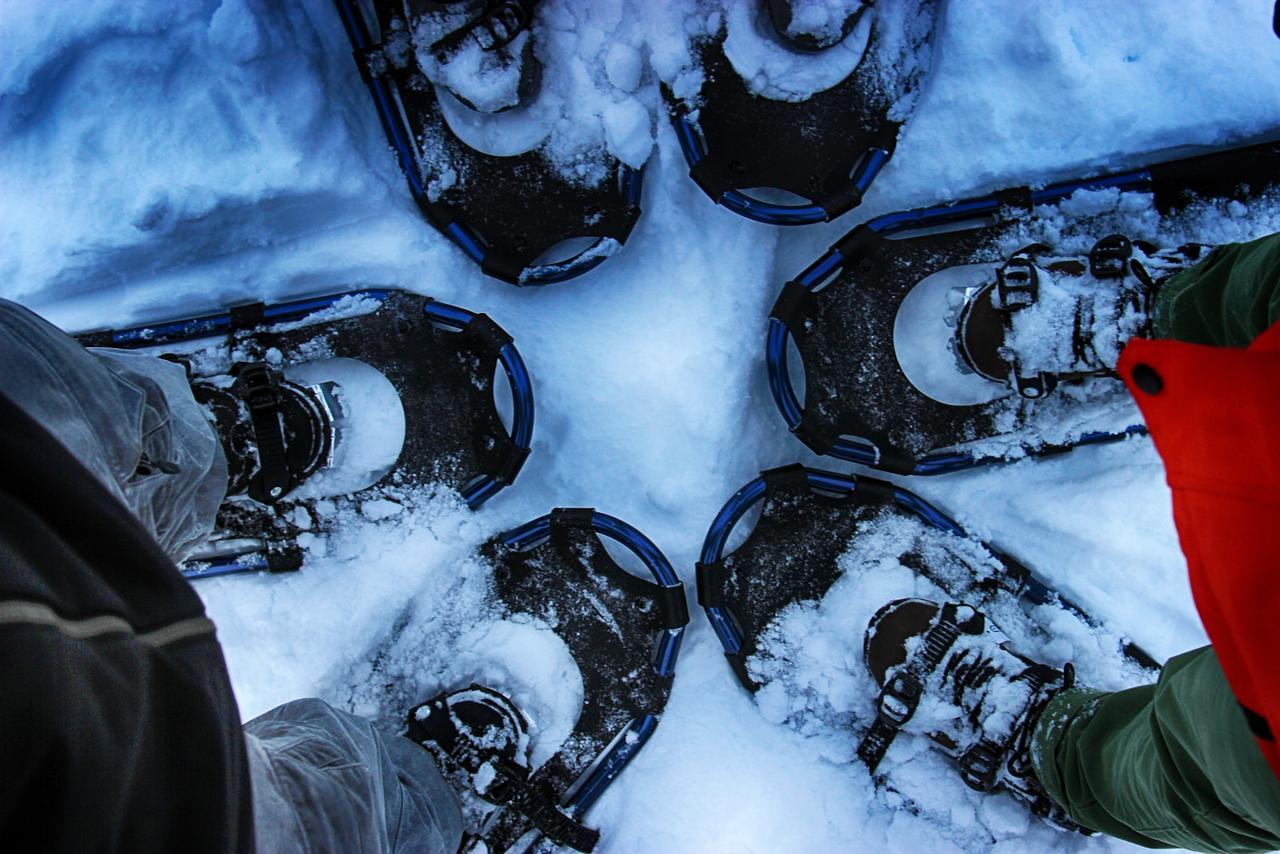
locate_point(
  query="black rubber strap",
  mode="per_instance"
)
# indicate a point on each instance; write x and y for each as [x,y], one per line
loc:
[794,304]
[840,202]
[794,477]
[501,266]
[675,609]
[712,176]
[248,316]
[900,695]
[517,792]
[259,387]
[511,465]
[1015,197]
[488,334]
[711,578]
[870,489]
[817,436]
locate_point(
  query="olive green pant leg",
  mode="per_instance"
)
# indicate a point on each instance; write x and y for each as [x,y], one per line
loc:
[1226,300]
[1166,765]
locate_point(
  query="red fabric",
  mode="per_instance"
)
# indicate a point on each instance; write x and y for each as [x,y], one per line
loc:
[1216,423]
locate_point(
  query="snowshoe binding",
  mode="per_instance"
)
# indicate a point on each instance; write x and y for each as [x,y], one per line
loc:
[947,672]
[1042,320]
[824,553]
[346,397]
[791,108]
[434,69]
[937,339]
[480,741]
[623,631]
[274,433]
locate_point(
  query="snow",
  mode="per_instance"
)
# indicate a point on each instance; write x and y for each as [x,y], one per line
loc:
[164,159]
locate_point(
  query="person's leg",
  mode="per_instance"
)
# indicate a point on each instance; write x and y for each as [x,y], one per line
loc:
[326,780]
[1226,300]
[128,418]
[1170,764]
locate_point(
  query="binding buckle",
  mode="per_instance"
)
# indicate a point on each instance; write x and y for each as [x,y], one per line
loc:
[1017,284]
[1109,257]
[899,698]
[980,764]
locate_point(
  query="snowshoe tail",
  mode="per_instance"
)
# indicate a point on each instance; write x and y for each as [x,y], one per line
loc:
[625,633]
[847,309]
[516,217]
[826,150]
[439,359]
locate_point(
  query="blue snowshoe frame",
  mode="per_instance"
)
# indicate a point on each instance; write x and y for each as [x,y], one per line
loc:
[857,258]
[739,641]
[498,258]
[605,684]
[258,316]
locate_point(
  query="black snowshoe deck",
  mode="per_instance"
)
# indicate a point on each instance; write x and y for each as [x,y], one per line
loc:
[809,518]
[441,361]
[503,212]
[622,630]
[858,403]
[827,149]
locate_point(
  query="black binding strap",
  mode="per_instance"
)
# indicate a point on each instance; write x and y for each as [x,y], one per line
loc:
[248,316]
[713,176]
[794,303]
[488,334]
[259,387]
[711,580]
[675,610]
[516,791]
[783,478]
[900,695]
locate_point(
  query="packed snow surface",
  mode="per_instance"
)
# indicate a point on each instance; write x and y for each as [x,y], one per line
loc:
[163,159]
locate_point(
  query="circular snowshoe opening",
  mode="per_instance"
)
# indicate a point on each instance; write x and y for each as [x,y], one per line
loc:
[625,558]
[795,369]
[506,134]
[503,398]
[776,196]
[743,529]
[368,420]
[773,68]
[565,250]
[924,337]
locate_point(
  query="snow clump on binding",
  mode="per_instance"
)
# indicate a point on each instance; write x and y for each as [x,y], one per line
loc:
[1047,319]
[948,673]
[481,51]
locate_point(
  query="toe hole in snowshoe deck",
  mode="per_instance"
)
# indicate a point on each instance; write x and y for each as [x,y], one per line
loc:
[509,133]
[924,338]
[369,424]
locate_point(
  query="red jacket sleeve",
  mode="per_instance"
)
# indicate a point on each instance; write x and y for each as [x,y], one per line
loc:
[1214,413]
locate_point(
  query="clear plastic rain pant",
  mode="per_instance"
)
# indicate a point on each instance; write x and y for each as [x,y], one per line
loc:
[323,779]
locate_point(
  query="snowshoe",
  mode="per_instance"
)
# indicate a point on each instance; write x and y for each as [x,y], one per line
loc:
[828,549]
[791,110]
[523,221]
[947,672]
[356,395]
[936,339]
[623,631]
